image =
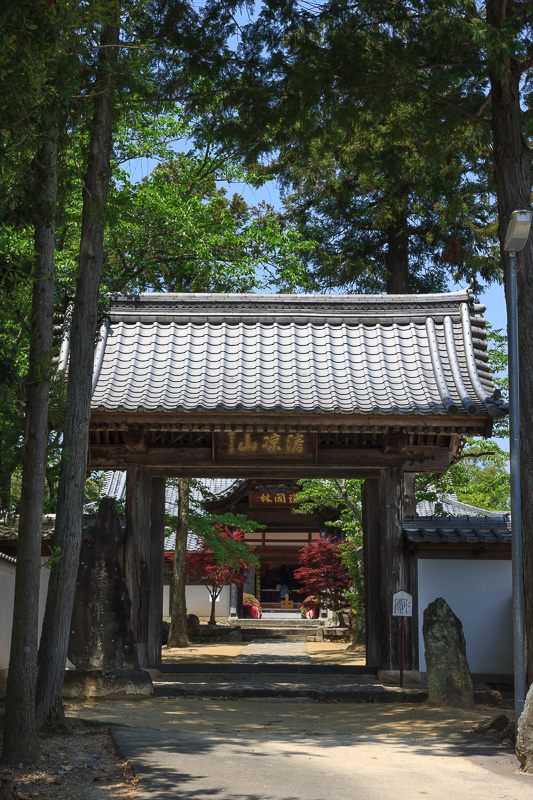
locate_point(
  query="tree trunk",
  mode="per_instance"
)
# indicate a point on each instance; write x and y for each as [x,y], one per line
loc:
[214,595]
[512,170]
[397,259]
[20,732]
[56,625]
[157,563]
[178,635]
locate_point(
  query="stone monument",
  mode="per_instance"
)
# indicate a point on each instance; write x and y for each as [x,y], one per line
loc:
[524,736]
[448,675]
[101,637]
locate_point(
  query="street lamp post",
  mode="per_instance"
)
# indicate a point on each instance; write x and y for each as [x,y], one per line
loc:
[515,240]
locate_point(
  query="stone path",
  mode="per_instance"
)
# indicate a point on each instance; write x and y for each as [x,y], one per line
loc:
[266,651]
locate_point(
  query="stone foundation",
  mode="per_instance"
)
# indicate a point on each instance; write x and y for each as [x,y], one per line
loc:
[113,685]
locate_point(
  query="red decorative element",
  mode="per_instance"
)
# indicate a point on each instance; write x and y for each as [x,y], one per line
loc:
[323,574]
[202,567]
[49,4]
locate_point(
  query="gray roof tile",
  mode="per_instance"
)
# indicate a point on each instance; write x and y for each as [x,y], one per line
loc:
[458,531]
[353,354]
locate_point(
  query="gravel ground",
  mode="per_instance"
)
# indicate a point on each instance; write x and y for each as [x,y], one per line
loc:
[85,765]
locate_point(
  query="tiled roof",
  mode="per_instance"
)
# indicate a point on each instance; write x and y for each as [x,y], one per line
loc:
[353,354]
[452,507]
[9,531]
[9,559]
[457,531]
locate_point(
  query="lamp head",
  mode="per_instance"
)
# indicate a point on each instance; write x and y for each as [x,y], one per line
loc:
[517,231]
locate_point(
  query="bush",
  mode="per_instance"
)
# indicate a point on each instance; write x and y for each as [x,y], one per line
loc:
[251,606]
[310,607]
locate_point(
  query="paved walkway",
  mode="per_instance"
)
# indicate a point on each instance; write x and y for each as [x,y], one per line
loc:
[265,651]
[265,764]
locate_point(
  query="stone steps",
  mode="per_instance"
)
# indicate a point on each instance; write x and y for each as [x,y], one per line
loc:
[272,622]
[278,634]
[344,688]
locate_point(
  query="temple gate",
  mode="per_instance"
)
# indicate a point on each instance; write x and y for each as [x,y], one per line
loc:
[376,387]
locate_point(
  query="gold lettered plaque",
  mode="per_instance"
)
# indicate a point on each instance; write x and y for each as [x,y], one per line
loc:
[235,447]
[259,499]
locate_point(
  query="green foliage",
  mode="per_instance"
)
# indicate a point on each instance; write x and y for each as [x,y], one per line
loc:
[480,478]
[337,501]
[94,488]
[351,553]
[497,352]
[376,118]
[53,559]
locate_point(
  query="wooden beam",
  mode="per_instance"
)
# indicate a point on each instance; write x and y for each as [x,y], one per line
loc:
[336,461]
[463,424]
[137,554]
[394,563]
[155,589]
[371,555]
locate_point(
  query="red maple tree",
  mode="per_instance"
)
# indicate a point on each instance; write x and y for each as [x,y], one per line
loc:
[323,574]
[203,567]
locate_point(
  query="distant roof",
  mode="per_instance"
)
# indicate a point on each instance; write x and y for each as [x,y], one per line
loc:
[457,531]
[9,530]
[115,486]
[450,506]
[352,354]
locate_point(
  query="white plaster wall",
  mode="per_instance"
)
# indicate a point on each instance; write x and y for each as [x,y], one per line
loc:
[7,592]
[198,601]
[480,594]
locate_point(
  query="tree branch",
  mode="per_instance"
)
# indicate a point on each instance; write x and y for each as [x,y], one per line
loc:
[341,486]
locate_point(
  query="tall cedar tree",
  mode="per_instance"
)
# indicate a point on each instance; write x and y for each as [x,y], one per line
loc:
[21,744]
[60,599]
[202,567]
[324,574]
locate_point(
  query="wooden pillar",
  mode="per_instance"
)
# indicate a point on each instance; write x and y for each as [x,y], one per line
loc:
[137,554]
[371,539]
[394,565]
[157,552]
[409,499]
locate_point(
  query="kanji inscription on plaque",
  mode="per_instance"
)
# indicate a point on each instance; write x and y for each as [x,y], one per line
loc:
[259,498]
[402,604]
[235,446]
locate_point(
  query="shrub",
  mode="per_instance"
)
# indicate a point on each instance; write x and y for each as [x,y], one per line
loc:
[251,606]
[310,607]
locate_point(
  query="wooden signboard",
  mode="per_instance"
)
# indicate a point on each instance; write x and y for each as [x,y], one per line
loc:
[233,447]
[259,499]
